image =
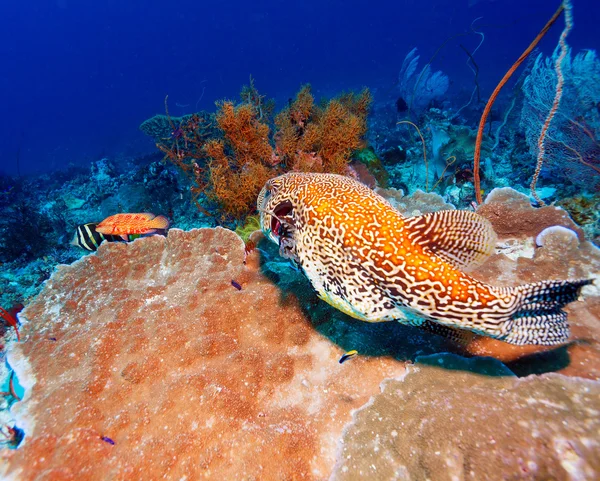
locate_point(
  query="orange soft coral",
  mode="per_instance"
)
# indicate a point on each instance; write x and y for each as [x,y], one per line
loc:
[241,163]
[330,132]
[228,156]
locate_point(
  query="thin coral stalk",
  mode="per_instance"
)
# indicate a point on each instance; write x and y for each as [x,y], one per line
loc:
[449,161]
[424,152]
[557,96]
[488,107]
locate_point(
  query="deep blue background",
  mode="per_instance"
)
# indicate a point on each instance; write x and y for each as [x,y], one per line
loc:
[77,77]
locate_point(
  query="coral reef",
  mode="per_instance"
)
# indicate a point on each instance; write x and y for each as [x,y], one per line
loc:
[229,160]
[187,375]
[204,354]
[479,423]
[189,357]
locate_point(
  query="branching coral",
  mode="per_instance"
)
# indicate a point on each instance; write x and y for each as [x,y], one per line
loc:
[251,95]
[228,164]
[241,163]
[328,134]
[228,157]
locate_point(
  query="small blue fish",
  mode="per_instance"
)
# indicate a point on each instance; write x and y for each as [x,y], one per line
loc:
[236,285]
[106,439]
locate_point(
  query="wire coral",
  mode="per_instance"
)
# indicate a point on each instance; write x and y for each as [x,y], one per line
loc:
[488,107]
[558,95]
[314,137]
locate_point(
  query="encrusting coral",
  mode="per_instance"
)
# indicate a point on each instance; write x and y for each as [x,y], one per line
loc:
[511,214]
[562,256]
[187,375]
[480,423]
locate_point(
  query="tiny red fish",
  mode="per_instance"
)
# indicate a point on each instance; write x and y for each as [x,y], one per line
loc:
[127,224]
[10,319]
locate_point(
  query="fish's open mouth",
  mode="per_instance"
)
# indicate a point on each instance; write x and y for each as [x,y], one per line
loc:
[282,210]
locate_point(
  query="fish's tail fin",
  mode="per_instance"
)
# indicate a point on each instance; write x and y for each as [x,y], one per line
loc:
[160,222]
[538,317]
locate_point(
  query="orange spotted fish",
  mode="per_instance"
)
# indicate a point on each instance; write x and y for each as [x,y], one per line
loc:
[367,260]
[130,224]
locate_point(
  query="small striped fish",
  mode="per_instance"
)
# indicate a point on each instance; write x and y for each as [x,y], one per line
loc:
[89,239]
[367,260]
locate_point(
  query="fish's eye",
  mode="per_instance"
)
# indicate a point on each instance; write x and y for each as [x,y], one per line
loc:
[273,185]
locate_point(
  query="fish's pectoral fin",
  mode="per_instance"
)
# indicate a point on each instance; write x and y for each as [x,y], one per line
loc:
[462,238]
[458,336]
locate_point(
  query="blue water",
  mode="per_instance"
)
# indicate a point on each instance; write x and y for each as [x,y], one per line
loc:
[78,77]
